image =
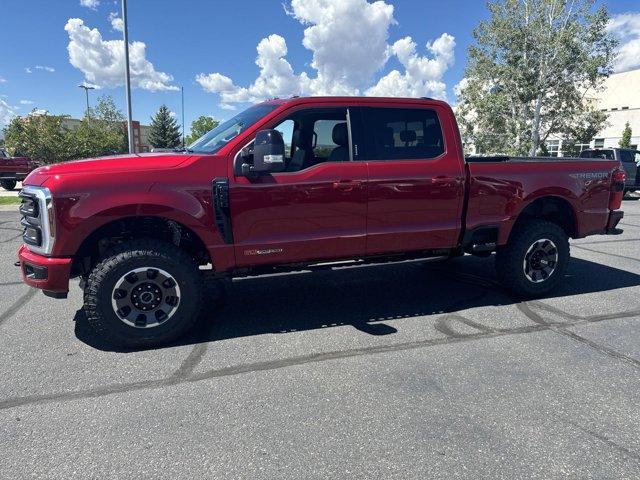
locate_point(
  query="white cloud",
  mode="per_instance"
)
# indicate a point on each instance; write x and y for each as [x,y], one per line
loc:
[28,70]
[348,39]
[6,112]
[3,80]
[460,86]
[102,61]
[423,75]
[45,68]
[349,42]
[27,102]
[226,106]
[116,22]
[93,4]
[626,28]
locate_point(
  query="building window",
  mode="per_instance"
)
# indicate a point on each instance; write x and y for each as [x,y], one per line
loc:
[598,143]
[625,108]
[614,109]
[553,147]
[582,146]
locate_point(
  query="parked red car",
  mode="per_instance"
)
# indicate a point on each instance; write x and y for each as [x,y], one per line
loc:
[14,169]
[302,183]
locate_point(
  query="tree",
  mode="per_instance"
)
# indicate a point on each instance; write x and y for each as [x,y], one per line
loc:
[164,131]
[625,141]
[200,126]
[100,133]
[45,138]
[582,130]
[531,71]
[42,137]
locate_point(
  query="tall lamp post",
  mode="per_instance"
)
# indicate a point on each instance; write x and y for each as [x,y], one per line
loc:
[86,91]
[127,78]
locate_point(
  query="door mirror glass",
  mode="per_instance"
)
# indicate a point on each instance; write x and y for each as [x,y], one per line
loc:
[268,153]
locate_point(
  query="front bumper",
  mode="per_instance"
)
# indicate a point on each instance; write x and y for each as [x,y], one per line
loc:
[612,223]
[46,273]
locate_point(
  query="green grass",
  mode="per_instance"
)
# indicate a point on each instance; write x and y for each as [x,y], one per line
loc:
[10,200]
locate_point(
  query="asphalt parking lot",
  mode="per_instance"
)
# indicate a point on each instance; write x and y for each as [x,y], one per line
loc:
[400,371]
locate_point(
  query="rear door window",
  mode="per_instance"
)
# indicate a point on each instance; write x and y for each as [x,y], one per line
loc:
[402,133]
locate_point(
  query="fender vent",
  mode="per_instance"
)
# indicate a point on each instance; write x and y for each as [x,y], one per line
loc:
[221,208]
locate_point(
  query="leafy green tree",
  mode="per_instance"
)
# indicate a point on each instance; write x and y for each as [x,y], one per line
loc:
[582,130]
[625,141]
[531,70]
[101,132]
[164,131]
[45,138]
[41,137]
[200,126]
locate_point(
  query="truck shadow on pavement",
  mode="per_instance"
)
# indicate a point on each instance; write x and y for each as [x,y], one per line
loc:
[366,297]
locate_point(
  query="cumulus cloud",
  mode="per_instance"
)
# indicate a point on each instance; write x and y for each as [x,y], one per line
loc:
[45,68]
[92,4]
[459,87]
[28,70]
[348,39]
[349,42]
[3,80]
[226,106]
[27,102]
[626,27]
[422,75]
[116,22]
[7,112]
[102,61]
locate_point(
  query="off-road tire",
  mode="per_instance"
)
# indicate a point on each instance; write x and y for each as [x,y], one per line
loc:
[139,254]
[510,258]
[8,184]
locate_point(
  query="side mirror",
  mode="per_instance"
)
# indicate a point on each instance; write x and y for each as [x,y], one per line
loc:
[268,153]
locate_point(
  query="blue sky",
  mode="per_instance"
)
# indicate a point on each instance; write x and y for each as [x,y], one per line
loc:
[218,39]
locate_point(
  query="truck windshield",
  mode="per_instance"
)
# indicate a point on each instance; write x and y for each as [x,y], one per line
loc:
[217,138]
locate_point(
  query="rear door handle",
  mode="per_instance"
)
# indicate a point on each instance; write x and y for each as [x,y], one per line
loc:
[346,185]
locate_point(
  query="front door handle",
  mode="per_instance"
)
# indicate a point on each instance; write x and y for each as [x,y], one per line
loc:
[444,180]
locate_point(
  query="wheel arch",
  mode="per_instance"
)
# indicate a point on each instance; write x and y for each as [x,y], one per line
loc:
[553,208]
[113,231]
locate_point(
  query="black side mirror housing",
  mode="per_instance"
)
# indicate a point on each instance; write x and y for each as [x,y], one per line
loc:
[268,153]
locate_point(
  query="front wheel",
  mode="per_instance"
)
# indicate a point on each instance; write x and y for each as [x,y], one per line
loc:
[534,260]
[8,184]
[145,293]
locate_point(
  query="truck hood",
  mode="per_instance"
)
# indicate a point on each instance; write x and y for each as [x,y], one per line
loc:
[113,164]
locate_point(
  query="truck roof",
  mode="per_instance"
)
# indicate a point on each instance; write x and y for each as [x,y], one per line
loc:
[354,99]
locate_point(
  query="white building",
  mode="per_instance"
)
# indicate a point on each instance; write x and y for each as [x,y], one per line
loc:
[620,100]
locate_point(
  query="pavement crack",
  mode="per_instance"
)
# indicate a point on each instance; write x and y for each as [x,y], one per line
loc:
[17,305]
[603,438]
[607,253]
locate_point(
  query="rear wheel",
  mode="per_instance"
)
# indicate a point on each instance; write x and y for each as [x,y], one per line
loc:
[145,293]
[8,184]
[534,260]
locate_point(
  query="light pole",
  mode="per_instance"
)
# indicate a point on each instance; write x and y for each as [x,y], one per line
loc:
[182,97]
[86,91]
[125,30]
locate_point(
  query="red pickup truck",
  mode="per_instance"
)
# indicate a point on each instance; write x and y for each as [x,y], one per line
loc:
[13,169]
[300,184]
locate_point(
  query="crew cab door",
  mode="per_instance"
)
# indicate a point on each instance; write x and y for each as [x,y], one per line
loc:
[316,208]
[416,179]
